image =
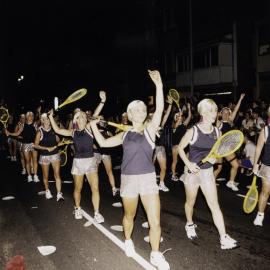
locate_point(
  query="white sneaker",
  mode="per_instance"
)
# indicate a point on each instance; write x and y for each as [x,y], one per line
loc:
[158,260]
[98,218]
[174,178]
[23,171]
[258,221]
[162,187]
[129,248]
[29,178]
[14,158]
[36,180]
[78,213]
[190,230]
[231,185]
[226,242]
[59,196]
[48,194]
[145,225]
[115,191]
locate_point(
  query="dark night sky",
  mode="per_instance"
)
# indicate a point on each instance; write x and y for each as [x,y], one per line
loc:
[60,45]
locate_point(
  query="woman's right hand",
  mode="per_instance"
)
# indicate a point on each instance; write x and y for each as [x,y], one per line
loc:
[50,113]
[50,149]
[6,132]
[193,167]
[255,168]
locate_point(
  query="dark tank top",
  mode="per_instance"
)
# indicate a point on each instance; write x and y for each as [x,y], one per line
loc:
[83,143]
[47,139]
[137,153]
[202,145]
[28,133]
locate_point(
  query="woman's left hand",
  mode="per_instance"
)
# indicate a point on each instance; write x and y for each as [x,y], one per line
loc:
[155,76]
[102,95]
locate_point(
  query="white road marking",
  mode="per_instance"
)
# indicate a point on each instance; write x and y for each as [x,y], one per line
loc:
[46,250]
[8,198]
[139,259]
[117,228]
[117,204]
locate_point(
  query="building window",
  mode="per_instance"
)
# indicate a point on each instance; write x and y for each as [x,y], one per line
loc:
[183,63]
[264,39]
[214,56]
[199,60]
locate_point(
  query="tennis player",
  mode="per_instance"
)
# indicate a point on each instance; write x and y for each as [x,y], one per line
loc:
[138,177]
[200,138]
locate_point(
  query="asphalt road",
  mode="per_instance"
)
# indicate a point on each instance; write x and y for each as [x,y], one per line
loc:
[30,221]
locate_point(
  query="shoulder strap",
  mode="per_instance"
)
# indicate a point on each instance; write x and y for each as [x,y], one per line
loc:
[89,132]
[41,133]
[148,138]
[218,133]
[266,133]
[194,135]
[124,135]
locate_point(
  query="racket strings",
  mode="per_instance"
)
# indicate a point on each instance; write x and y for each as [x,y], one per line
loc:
[229,143]
[174,94]
[77,95]
[63,158]
[3,114]
[251,199]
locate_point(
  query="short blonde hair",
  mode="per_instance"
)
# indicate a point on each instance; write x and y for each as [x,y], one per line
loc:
[29,113]
[206,105]
[43,116]
[134,104]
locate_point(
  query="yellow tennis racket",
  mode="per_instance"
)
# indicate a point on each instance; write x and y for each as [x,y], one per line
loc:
[64,141]
[63,156]
[72,98]
[4,116]
[175,97]
[120,126]
[251,198]
[225,145]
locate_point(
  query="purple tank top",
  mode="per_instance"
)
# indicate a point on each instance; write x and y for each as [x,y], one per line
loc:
[202,145]
[137,153]
[83,143]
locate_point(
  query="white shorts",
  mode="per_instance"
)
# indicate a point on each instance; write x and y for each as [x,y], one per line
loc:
[141,184]
[204,176]
[160,151]
[28,147]
[47,160]
[102,157]
[265,172]
[82,166]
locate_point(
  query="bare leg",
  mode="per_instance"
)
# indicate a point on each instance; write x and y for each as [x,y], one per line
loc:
[78,183]
[93,182]
[56,171]
[130,208]
[151,205]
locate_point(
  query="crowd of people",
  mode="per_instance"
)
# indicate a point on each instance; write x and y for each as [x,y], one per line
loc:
[178,139]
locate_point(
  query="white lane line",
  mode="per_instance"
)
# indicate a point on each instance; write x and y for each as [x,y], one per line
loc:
[243,196]
[139,259]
